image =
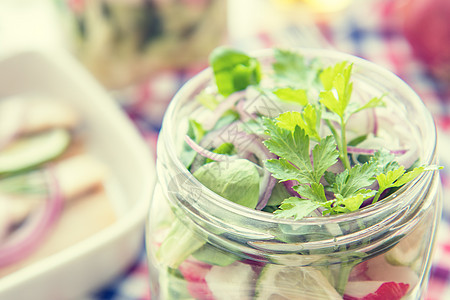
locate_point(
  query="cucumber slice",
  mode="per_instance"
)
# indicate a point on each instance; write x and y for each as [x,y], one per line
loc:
[410,248]
[31,151]
[180,242]
[214,256]
[285,282]
[233,282]
[172,284]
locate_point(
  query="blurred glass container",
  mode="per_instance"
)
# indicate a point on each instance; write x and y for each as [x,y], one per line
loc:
[318,9]
[123,42]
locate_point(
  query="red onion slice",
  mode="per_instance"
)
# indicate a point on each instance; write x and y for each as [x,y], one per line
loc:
[28,238]
[375,123]
[267,184]
[289,185]
[223,106]
[244,114]
[206,153]
[357,150]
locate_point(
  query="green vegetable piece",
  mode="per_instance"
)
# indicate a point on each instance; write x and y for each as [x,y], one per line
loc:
[32,183]
[178,245]
[398,177]
[279,193]
[295,164]
[292,95]
[293,150]
[236,180]
[31,151]
[339,273]
[342,86]
[233,70]
[225,148]
[336,98]
[349,204]
[373,103]
[292,147]
[350,181]
[292,69]
[384,161]
[214,256]
[283,170]
[172,284]
[357,140]
[207,100]
[296,208]
[324,156]
[328,75]
[314,192]
[195,132]
[271,209]
[278,281]
[307,120]
[227,118]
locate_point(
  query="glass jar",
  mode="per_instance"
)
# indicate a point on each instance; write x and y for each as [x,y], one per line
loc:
[203,246]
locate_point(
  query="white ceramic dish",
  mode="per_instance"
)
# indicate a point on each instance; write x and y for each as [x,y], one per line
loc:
[110,136]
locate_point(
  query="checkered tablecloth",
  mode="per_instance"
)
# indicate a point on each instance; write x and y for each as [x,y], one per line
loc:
[364,29]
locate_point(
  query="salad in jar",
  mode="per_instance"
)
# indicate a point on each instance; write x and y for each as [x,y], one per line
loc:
[301,186]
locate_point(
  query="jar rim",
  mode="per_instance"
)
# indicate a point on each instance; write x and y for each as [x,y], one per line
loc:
[196,84]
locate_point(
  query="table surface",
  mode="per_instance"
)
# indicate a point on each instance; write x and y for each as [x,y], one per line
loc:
[363,29]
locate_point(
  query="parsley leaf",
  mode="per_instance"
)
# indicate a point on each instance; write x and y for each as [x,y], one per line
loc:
[336,98]
[324,156]
[296,207]
[337,83]
[307,120]
[282,170]
[314,192]
[348,204]
[292,95]
[384,161]
[398,177]
[373,103]
[327,75]
[292,69]
[350,187]
[350,181]
[291,146]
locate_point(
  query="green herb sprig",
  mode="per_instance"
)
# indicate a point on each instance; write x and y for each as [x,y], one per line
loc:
[324,96]
[336,98]
[308,169]
[290,135]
